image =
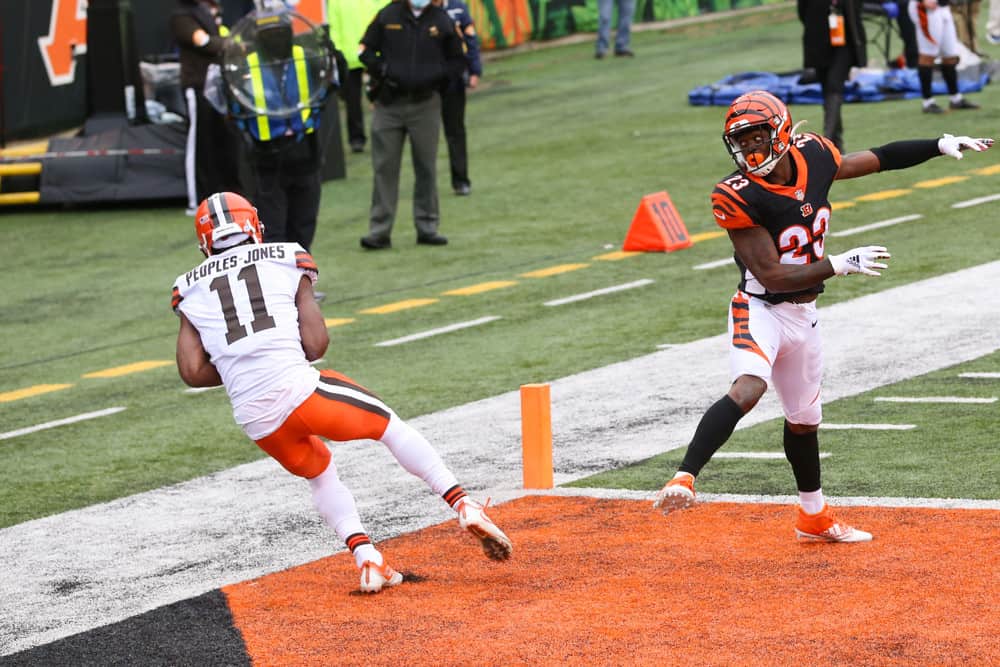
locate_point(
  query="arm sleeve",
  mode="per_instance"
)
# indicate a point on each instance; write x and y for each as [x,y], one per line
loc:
[903,154]
[471,38]
[372,57]
[184,26]
[729,209]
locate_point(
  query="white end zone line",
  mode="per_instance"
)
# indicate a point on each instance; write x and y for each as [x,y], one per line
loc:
[867,427]
[975,202]
[60,422]
[600,292]
[436,332]
[835,501]
[934,399]
[987,376]
[878,225]
[758,455]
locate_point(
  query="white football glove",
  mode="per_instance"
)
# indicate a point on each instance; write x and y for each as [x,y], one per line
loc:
[860,260]
[953,146]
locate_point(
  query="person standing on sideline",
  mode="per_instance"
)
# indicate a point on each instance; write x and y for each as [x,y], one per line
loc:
[411,51]
[249,322]
[833,41]
[993,23]
[211,156]
[623,35]
[453,97]
[936,36]
[776,209]
[348,21]
[281,129]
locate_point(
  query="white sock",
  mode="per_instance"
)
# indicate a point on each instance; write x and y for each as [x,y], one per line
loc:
[367,552]
[956,98]
[335,503]
[681,475]
[812,501]
[929,101]
[417,456]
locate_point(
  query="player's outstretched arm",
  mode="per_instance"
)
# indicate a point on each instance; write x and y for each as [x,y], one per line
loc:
[193,363]
[312,327]
[860,260]
[904,154]
[756,250]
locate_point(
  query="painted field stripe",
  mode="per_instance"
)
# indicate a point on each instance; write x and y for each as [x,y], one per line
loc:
[987,171]
[331,322]
[60,422]
[600,292]
[436,332]
[201,390]
[28,392]
[839,205]
[975,202]
[939,182]
[878,225]
[988,376]
[836,501]
[615,256]
[867,427]
[884,194]
[777,456]
[554,270]
[934,399]
[480,288]
[398,306]
[128,369]
[705,236]
[729,261]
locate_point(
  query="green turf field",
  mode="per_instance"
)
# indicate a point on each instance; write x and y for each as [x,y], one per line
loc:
[562,147]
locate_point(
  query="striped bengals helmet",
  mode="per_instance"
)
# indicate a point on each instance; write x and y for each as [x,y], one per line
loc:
[224,220]
[754,109]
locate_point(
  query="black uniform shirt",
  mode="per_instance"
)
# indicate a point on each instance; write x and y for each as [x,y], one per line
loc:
[415,54]
[797,216]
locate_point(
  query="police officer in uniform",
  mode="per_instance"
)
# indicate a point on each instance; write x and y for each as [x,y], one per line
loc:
[411,51]
[211,161]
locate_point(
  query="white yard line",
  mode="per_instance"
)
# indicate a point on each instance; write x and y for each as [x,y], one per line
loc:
[975,202]
[134,554]
[599,292]
[775,456]
[60,422]
[867,427]
[877,225]
[437,332]
[983,376]
[934,399]
[729,261]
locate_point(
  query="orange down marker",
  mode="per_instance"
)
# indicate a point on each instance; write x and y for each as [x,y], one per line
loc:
[536,436]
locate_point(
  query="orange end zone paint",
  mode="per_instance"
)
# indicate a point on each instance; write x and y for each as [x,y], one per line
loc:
[612,582]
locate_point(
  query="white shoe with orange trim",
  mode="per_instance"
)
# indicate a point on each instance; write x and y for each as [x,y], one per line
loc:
[472,517]
[677,494]
[376,577]
[824,527]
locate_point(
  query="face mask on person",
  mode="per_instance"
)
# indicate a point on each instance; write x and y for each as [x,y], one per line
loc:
[419,4]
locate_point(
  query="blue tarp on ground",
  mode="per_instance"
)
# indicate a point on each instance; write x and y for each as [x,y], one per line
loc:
[866,86]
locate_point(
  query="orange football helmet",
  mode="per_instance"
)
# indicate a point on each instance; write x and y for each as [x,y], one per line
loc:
[753,110]
[223,215]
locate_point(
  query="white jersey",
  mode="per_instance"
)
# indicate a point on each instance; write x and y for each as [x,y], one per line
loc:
[242,302]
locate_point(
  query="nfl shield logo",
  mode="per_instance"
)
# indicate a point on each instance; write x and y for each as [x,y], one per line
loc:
[806,209]
[800,195]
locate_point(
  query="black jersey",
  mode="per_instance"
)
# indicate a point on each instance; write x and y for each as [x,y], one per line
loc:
[796,216]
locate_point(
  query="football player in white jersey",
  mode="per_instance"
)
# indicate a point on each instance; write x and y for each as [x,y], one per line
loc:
[249,321]
[776,209]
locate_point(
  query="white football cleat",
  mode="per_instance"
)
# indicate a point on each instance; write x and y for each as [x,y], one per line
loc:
[472,517]
[376,577]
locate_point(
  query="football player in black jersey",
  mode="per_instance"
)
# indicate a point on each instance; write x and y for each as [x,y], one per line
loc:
[776,209]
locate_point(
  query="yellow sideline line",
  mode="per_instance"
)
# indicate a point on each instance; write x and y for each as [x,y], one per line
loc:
[28,392]
[480,288]
[128,369]
[554,270]
[884,194]
[397,306]
[938,182]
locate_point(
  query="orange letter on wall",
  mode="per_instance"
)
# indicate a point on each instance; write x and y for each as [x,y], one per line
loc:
[67,37]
